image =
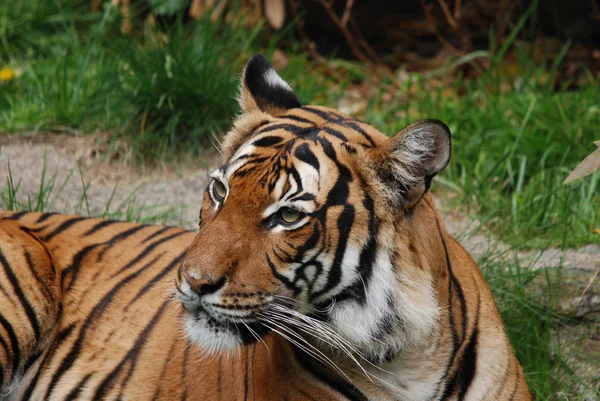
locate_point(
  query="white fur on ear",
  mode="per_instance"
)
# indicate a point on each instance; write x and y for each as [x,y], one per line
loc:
[423,150]
[274,80]
[413,157]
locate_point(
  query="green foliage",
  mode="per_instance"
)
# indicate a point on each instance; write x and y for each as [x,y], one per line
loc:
[512,149]
[176,92]
[172,89]
[30,28]
[168,7]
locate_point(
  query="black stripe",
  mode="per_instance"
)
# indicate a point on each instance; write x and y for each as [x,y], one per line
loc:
[357,290]
[279,276]
[338,195]
[48,254]
[451,385]
[73,268]
[353,125]
[468,365]
[62,335]
[290,128]
[34,230]
[267,141]
[117,238]
[42,282]
[31,360]
[2,367]
[17,216]
[130,358]
[45,216]
[335,133]
[321,113]
[324,375]
[514,392]
[90,321]
[98,226]
[156,278]
[31,316]
[5,348]
[303,197]
[246,377]
[305,154]
[344,226]
[63,227]
[146,251]
[156,234]
[298,119]
[14,343]
[74,394]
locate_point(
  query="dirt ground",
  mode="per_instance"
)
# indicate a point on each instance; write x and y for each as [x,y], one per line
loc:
[173,195]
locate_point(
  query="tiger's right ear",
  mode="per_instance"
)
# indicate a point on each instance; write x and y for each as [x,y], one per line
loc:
[263,89]
[407,163]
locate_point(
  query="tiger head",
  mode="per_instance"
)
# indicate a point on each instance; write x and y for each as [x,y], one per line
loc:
[308,226]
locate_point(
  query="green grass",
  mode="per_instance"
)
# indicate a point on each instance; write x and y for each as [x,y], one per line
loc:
[128,208]
[512,149]
[163,91]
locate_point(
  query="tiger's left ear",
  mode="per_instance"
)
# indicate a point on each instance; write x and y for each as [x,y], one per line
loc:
[409,161]
[263,89]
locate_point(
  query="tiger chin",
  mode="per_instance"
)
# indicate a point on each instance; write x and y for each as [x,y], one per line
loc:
[319,229]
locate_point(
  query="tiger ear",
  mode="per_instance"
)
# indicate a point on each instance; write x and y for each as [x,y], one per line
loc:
[263,89]
[411,158]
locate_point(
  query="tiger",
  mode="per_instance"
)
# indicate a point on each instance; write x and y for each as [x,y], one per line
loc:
[320,270]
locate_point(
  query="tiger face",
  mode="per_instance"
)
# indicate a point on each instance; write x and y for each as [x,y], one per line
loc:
[299,228]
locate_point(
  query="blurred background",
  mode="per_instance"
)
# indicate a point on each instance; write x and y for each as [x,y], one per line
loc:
[114,108]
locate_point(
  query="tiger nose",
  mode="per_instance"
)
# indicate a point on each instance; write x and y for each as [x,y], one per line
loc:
[204,285]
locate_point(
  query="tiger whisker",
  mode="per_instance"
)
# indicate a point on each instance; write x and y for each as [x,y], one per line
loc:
[340,343]
[318,355]
[176,355]
[331,333]
[257,337]
[305,317]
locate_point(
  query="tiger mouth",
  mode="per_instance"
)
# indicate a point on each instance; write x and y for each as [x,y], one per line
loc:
[247,327]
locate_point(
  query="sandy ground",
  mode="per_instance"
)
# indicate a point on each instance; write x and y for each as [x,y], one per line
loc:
[173,195]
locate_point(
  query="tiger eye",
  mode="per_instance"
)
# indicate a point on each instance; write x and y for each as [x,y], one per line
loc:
[290,215]
[219,190]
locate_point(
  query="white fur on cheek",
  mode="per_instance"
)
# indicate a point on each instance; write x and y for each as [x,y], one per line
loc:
[349,262]
[405,303]
[371,314]
[199,332]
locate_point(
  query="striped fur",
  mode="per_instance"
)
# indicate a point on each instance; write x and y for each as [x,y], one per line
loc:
[321,271]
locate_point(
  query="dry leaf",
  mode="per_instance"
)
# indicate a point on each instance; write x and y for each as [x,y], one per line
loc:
[589,165]
[597,230]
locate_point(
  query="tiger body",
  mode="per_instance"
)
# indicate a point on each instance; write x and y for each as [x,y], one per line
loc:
[321,271]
